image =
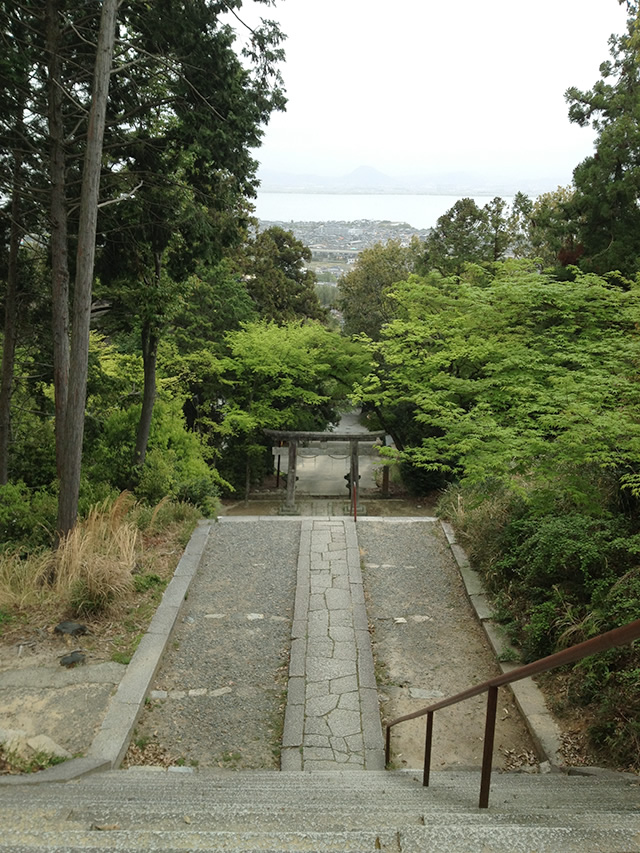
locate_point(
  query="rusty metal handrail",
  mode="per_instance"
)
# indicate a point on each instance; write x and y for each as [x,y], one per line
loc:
[611,639]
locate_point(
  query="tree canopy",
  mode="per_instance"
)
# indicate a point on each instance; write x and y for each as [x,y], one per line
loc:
[168,134]
[607,184]
[362,290]
[516,375]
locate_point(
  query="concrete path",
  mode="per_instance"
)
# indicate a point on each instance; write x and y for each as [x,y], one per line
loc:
[332,718]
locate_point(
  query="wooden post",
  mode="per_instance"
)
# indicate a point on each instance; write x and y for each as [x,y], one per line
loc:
[278,471]
[489,735]
[354,479]
[385,475]
[290,505]
[428,742]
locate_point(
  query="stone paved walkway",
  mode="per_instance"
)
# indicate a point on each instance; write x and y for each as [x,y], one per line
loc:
[332,718]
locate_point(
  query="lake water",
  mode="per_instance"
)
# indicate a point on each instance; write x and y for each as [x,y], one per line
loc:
[419,211]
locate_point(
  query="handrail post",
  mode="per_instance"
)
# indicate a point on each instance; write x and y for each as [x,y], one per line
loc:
[427,750]
[487,755]
[611,639]
[387,747]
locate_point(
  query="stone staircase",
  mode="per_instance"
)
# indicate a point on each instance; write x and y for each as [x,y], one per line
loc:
[183,809]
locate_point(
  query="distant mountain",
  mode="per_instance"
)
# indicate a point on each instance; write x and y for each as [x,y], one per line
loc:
[366,179]
[362,179]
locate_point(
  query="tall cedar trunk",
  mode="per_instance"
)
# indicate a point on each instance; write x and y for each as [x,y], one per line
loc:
[58,226]
[10,319]
[79,351]
[149,357]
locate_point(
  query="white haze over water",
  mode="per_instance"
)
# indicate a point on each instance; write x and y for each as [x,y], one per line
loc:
[419,211]
[419,87]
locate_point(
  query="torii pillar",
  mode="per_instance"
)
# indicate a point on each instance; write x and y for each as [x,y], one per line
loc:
[354,481]
[294,436]
[289,507]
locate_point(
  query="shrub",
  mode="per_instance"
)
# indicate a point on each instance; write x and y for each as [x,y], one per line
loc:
[175,464]
[27,517]
[32,457]
[480,514]
[420,481]
[561,575]
[615,731]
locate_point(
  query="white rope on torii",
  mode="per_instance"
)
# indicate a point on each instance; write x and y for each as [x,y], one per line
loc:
[293,437]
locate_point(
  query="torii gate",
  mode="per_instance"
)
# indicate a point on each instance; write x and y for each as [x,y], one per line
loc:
[293,437]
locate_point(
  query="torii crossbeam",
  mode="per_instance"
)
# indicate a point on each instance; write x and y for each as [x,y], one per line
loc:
[293,437]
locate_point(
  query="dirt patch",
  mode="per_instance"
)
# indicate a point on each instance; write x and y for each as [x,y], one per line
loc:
[459,730]
[573,722]
[37,694]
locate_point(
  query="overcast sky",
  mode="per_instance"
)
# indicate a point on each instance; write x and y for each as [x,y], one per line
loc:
[424,86]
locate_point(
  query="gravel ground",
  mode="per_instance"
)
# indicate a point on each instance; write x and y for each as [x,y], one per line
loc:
[219,695]
[429,645]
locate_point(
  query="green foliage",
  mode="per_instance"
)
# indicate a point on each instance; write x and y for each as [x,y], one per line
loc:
[512,375]
[95,492]
[559,578]
[86,600]
[282,289]
[362,290]
[465,234]
[38,761]
[553,232]
[571,550]
[6,617]
[167,514]
[27,517]
[175,465]
[32,459]
[420,481]
[519,224]
[143,583]
[327,295]
[523,389]
[289,376]
[605,205]
[218,303]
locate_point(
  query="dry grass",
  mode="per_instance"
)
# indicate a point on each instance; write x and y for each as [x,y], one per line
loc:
[92,566]
[93,572]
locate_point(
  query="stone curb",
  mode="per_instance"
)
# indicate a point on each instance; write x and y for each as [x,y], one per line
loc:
[112,739]
[528,696]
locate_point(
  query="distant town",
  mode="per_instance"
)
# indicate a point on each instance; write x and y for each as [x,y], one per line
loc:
[336,245]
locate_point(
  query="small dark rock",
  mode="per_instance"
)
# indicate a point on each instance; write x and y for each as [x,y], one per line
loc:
[74,629]
[73,659]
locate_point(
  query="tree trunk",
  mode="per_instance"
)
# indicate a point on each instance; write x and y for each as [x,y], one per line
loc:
[58,226]
[149,357]
[10,320]
[79,350]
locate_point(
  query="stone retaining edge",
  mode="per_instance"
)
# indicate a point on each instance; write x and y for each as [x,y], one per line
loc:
[112,739]
[528,696]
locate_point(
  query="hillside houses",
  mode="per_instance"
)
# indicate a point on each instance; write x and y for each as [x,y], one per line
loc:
[343,241]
